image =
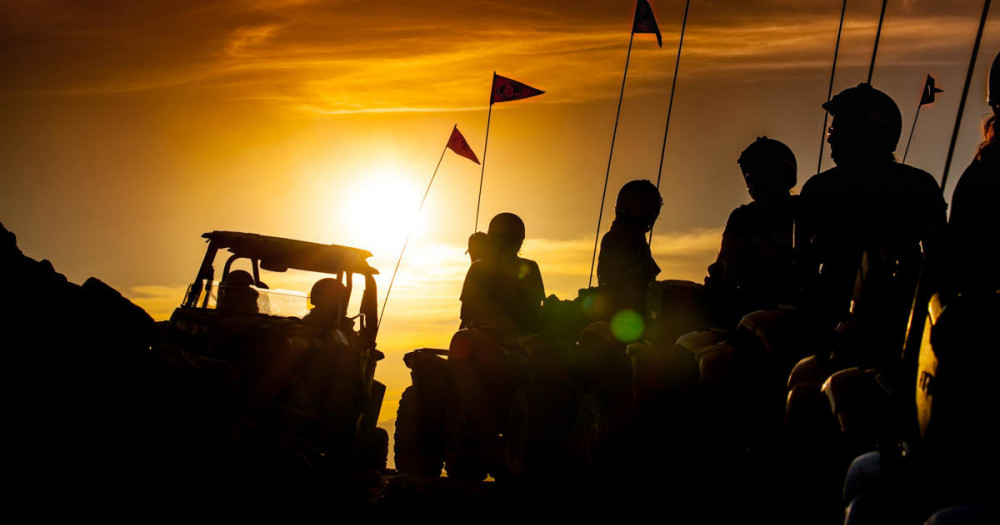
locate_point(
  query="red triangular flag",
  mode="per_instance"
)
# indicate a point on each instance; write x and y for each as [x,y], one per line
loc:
[458,144]
[927,97]
[645,22]
[505,89]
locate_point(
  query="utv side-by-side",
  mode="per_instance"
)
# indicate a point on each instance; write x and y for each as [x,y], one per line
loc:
[312,384]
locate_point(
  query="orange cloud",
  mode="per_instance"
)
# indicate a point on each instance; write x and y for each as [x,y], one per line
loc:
[325,58]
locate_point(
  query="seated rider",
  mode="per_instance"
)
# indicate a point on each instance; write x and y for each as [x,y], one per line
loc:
[328,298]
[502,292]
[479,244]
[236,294]
[625,265]
[865,224]
[754,269]
[973,255]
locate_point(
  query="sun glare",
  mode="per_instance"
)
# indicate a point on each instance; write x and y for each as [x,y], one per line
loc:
[380,209]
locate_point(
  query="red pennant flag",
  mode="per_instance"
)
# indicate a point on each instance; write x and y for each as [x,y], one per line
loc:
[927,97]
[505,89]
[645,22]
[458,144]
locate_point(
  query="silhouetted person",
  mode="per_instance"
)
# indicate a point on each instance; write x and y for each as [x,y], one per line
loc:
[951,464]
[865,223]
[974,224]
[236,294]
[625,265]
[479,247]
[502,292]
[754,269]
[328,297]
[479,244]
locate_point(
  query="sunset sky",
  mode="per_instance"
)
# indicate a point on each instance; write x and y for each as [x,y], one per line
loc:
[130,128]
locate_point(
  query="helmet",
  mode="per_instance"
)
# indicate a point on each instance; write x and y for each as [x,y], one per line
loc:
[506,230]
[236,294]
[478,242]
[639,199]
[872,109]
[769,163]
[238,278]
[993,87]
[327,292]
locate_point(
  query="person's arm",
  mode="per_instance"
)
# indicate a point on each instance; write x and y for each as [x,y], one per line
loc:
[722,272]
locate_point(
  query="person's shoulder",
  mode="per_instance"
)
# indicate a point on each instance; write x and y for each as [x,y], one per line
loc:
[741,215]
[615,234]
[818,181]
[478,268]
[922,184]
[914,174]
[744,210]
[982,172]
[527,263]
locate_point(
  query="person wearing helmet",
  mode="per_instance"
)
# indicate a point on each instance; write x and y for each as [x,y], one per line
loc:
[236,293]
[754,268]
[329,300]
[625,264]
[479,244]
[503,293]
[974,248]
[866,221]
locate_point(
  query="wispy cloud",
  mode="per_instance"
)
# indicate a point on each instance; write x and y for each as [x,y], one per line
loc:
[328,59]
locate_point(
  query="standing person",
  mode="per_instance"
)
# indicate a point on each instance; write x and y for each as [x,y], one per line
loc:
[974,250]
[865,225]
[625,265]
[754,269]
[503,292]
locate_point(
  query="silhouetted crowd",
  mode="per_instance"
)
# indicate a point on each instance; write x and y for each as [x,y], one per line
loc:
[843,336]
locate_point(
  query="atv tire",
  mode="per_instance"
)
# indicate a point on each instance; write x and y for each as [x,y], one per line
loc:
[593,442]
[465,451]
[374,449]
[417,448]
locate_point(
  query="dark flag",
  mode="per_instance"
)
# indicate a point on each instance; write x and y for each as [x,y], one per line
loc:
[458,144]
[645,22]
[929,91]
[505,89]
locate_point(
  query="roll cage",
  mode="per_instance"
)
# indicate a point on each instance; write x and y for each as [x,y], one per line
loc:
[277,254]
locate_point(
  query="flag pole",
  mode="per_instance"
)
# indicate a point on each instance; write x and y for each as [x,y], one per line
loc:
[913,127]
[878,35]
[829,91]
[482,170]
[409,233]
[607,174]
[965,93]
[670,105]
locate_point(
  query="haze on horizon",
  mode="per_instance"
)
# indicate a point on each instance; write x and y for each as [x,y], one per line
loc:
[131,128]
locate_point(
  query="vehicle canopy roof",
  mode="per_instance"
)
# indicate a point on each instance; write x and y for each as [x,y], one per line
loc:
[278,254]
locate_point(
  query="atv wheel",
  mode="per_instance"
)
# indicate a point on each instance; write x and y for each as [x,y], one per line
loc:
[591,436]
[465,456]
[416,451]
[516,436]
[374,449]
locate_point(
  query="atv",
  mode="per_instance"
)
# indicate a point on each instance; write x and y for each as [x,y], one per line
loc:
[303,384]
[567,400]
